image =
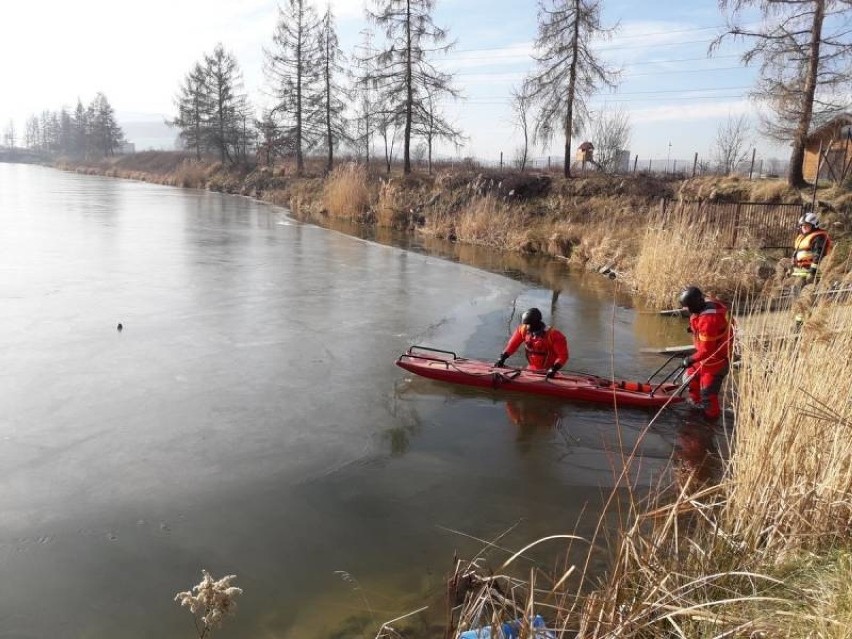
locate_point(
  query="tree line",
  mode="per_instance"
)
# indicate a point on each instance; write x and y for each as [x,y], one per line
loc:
[388,94]
[86,132]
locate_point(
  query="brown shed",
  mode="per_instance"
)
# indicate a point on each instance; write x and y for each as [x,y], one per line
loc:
[834,137]
[585,152]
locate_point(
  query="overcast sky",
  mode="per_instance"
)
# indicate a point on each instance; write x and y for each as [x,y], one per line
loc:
[55,51]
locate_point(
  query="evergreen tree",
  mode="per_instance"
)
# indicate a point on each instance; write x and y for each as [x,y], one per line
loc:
[80,127]
[106,136]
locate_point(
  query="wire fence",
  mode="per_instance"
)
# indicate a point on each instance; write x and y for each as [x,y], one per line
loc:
[756,166]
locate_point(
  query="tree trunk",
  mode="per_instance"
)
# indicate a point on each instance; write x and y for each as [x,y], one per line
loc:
[795,176]
[409,95]
[572,83]
[330,163]
[300,161]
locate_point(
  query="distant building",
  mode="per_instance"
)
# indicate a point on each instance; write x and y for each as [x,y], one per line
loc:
[585,152]
[128,148]
[622,161]
[834,139]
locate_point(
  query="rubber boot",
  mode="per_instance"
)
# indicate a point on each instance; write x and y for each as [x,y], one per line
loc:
[712,409]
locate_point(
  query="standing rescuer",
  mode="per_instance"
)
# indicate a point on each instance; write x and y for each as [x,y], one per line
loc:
[712,337]
[546,347]
[811,246]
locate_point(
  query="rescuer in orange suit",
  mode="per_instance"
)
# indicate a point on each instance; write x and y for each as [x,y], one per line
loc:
[546,347]
[712,337]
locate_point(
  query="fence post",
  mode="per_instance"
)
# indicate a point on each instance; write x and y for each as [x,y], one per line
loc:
[635,161]
[674,167]
[548,162]
[649,165]
[751,168]
[501,161]
[736,226]
[694,163]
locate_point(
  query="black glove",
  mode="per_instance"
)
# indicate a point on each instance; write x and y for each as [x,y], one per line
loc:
[551,372]
[689,329]
[687,362]
[501,361]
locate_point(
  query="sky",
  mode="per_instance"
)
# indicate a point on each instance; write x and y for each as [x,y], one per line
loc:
[676,96]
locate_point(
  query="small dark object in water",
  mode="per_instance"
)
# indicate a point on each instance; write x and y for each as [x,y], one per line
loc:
[120,327]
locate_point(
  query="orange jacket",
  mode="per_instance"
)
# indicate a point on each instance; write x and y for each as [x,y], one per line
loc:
[543,349]
[712,335]
[810,248]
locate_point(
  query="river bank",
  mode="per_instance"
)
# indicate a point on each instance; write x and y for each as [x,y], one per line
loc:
[608,224]
[762,552]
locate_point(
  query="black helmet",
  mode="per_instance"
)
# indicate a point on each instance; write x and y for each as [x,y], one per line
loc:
[532,318]
[692,298]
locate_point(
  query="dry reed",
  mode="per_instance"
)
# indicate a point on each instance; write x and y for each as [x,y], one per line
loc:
[346,193]
[673,250]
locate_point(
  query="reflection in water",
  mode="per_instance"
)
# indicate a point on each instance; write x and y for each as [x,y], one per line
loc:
[698,452]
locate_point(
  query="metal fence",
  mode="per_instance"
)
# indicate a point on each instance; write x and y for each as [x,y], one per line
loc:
[761,225]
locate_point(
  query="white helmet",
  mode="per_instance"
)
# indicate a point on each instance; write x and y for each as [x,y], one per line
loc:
[809,218]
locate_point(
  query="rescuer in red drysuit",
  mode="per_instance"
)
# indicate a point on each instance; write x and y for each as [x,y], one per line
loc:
[546,347]
[712,337]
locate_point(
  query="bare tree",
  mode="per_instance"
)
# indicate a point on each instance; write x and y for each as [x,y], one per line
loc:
[402,70]
[610,133]
[32,133]
[9,136]
[731,146]
[365,105]
[431,126]
[569,71]
[228,104]
[521,119]
[803,48]
[331,98]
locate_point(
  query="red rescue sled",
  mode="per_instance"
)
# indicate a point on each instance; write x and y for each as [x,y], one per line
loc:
[446,366]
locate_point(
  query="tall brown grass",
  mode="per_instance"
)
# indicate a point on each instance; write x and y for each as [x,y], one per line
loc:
[346,193]
[489,221]
[675,252]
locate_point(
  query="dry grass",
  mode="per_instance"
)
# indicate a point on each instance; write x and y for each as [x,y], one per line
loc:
[488,221]
[679,253]
[191,174]
[793,459]
[346,193]
[387,210]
